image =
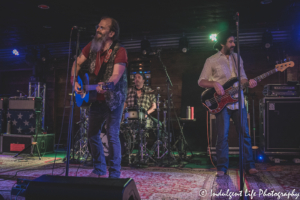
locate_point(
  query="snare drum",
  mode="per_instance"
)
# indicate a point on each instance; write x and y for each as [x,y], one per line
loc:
[132,114]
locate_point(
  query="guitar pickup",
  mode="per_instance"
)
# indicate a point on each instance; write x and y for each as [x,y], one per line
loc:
[207,102]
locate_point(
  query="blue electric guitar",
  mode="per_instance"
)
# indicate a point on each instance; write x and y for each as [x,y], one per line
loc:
[88,83]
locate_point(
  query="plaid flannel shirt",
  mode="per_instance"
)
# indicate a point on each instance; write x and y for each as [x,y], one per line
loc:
[145,101]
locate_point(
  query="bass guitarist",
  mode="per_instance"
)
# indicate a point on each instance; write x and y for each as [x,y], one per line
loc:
[218,69]
[108,61]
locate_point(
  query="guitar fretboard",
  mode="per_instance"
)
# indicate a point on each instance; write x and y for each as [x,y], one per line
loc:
[257,79]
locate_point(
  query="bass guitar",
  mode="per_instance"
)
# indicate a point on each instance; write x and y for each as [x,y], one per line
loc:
[88,83]
[215,103]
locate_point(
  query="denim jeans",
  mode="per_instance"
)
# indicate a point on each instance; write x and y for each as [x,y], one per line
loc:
[99,113]
[222,127]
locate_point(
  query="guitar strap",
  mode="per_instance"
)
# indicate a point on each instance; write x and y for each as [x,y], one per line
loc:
[103,67]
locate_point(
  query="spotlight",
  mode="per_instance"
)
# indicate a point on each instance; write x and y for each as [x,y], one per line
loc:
[213,37]
[267,39]
[145,47]
[15,52]
[183,44]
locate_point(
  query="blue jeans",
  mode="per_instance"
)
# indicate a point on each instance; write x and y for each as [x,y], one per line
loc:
[99,113]
[222,127]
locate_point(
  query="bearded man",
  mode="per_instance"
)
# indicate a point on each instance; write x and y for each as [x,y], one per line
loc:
[108,61]
[218,69]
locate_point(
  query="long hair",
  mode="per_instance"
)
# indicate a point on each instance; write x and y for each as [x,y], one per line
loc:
[113,27]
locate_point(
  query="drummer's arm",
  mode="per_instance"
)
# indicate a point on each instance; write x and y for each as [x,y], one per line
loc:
[152,109]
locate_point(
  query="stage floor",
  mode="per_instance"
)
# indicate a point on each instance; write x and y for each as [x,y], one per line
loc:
[195,180]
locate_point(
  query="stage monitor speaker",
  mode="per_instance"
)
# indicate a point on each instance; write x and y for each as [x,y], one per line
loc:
[233,138]
[66,187]
[279,125]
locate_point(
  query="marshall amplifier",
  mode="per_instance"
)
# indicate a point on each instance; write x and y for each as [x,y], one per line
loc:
[279,126]
[233,137]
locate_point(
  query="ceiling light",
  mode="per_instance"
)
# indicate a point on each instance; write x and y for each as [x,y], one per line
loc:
[42,6]
[145,46]
[183,44]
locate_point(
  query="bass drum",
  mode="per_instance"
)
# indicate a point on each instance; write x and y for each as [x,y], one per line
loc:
[105,144]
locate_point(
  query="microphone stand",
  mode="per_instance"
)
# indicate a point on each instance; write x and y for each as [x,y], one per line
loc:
[169,83]
[242,128]
[70,128]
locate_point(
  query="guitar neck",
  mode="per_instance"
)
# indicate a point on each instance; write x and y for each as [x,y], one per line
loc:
[257,79]
[261,77]
[90,87]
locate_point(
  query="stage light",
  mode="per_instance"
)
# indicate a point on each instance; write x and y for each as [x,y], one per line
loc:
[267,39]
[260,157]
[43,7]
[183,44]
[145,47]
[213,37]
[15,52]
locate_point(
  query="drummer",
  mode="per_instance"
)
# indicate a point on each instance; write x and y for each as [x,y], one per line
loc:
[136,95]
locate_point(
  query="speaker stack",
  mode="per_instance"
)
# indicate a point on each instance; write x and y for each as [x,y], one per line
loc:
[279,125]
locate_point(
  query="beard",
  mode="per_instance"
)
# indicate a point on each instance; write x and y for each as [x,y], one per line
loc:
[98,43]
[228,51]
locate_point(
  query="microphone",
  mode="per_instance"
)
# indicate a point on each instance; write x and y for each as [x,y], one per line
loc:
[79,28]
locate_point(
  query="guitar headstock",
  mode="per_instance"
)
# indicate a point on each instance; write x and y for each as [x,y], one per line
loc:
[281,67]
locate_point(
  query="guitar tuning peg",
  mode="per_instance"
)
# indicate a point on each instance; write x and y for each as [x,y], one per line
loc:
[280,61]
[284,60]
[289,59]
[276,61]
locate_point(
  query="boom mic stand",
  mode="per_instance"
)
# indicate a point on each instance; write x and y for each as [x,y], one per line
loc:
[70,128]
[169,84]
[242,128]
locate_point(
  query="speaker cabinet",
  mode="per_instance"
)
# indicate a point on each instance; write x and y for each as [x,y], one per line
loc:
[233,137]
[279,125]
[65,187]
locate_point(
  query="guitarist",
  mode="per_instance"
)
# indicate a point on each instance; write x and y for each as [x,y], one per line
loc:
[108,61]
[218,69]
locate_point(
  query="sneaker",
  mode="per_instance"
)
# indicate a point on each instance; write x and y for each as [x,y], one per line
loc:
[220,173]
[253,171]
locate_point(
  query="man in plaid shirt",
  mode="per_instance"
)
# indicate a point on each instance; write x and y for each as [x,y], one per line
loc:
[136,95]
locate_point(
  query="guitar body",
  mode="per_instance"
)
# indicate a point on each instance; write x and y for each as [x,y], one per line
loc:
[209,98]
[88,83]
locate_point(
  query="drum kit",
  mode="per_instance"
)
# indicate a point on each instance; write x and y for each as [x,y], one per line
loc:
[135,129]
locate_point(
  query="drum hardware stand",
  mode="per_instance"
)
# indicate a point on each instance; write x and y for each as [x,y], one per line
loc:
[183,143]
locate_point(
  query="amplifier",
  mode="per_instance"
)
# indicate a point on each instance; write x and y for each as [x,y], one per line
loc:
[233,137]
[25,103]
[281,90]
[279,126]
[16,143]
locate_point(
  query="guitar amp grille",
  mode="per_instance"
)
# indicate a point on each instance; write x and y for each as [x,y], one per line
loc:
[30,103]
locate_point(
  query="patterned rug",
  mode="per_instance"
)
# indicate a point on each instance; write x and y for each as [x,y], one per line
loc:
[155,183]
